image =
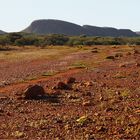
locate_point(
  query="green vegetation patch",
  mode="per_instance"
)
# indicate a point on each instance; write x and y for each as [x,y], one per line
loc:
[20,39]
[49,73]
[120,76]
[77,65]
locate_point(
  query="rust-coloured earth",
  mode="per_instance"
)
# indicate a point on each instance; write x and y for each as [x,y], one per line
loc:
[103,104]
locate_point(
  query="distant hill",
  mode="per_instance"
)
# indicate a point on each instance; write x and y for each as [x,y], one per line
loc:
[2,32]
[138,33]
[55,27]
[67,28]
[108,31]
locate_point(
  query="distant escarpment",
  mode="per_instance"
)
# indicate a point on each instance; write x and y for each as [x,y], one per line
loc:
[62,27]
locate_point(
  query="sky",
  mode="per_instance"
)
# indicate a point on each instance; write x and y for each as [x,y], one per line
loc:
[16,15]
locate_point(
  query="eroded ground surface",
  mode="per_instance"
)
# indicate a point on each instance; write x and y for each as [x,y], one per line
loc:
[102,104]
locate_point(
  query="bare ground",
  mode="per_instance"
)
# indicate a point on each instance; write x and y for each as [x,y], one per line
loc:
[103,104]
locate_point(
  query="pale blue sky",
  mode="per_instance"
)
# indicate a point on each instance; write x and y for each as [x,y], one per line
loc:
[16,15]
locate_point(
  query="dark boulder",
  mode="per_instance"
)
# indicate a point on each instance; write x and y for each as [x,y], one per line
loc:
[34,92]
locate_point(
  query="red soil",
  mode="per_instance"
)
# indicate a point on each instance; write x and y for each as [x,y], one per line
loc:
[106,97]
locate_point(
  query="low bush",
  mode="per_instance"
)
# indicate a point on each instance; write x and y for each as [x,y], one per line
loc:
[22,39]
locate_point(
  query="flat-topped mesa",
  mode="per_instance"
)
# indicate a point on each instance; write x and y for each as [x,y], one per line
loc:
[109,31]
[50,26]
[55,27]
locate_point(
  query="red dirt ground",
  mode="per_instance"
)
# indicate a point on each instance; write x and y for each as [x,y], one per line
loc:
[103,104]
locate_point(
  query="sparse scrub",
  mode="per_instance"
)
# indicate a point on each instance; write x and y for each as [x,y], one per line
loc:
[77,65]
[119,75]
[50,73]
[22,39]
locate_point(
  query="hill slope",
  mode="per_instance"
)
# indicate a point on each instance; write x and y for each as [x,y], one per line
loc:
[55,27]
[2,32]
[108,31]
[67,28]
[138,33]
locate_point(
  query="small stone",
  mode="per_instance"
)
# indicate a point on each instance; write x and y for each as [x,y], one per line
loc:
[118,92]
[19,134]
[71,80]
[94,51]
[87,103]
[102,129]
[87,84]
[110,57]
[101,98]
[119,55]
[62,86]
[103,85]
[136,52]
[109,109]
[3,83]
[128,53]
[3,98]
[96,114]
[76,90]
[137,111]
[71,97]
[122,65]
[59,121]
[137,64]
[92,137]
[57,92]
[82,120]
[88,94]
[9,114]
[1,110]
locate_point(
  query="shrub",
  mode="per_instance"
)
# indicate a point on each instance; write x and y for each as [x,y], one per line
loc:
[12,37]
[4,41]
[55,40]
[26,41]
[22,39]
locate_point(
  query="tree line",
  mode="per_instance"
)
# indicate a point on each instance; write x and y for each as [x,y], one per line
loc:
[21,39]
